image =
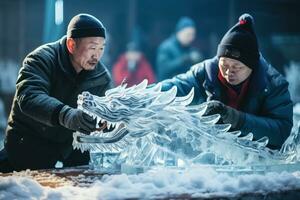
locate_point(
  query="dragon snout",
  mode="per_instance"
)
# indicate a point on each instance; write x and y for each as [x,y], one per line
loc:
[86,99]
[87,96]
[88,104]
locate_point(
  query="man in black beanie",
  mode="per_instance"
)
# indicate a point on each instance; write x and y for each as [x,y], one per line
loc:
[44,114]
[176,54]
[241,86]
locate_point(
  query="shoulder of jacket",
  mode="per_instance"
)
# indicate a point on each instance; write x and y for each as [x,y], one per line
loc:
[167,43]
[199,69]
[47,51]
[275,79]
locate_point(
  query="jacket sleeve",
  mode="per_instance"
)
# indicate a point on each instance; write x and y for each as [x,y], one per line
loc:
[185,82]
[33,89]
[275,121]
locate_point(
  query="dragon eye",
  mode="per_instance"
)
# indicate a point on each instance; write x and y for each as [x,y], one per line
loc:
[114,104]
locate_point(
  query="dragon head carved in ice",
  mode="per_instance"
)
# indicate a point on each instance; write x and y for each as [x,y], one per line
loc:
[148,126]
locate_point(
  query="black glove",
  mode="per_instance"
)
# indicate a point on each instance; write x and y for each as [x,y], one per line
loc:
[76,120]
[228,114]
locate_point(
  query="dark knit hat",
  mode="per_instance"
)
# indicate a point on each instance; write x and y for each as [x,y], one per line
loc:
[240,42]
[85,25]
[183,23]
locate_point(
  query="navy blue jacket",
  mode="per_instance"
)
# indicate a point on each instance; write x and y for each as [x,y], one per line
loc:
[267,107]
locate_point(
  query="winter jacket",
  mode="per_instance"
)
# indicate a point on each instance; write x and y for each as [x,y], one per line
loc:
[172,58]
[267,105]
[143,71]
[47,81]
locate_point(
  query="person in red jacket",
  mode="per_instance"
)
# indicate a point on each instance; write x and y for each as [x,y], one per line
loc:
[133,67]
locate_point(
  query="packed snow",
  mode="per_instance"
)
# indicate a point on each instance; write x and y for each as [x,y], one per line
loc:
[196,181]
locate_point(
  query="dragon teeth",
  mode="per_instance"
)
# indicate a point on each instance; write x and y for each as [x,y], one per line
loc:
[108,125]
[85,111]
[98,120]
[97,124]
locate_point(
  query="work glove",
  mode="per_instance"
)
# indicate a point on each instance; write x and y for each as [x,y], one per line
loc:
[228,114]
[76,120]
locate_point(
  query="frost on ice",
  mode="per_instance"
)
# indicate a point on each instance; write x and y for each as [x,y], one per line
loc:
[145,127]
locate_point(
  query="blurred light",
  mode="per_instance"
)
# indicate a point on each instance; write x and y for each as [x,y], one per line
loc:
[59,12]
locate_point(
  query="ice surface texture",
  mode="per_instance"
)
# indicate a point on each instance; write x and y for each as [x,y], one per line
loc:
[148,127]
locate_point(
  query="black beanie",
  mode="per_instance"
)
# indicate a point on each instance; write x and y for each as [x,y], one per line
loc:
[183,23]
[85,25]
[240,42]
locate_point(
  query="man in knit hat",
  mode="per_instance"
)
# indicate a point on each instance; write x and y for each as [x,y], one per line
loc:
[241,86]
[175,55]
[44,114]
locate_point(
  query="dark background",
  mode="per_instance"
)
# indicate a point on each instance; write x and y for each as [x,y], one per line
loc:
[25,25]
[22,23]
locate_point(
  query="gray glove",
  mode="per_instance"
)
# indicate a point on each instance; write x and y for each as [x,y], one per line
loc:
[76,120]
[228,114]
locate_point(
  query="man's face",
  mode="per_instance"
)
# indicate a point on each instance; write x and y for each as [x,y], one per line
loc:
[87,52]
[234,71]
[186,36]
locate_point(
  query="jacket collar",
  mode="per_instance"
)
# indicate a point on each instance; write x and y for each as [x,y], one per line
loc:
[66,64]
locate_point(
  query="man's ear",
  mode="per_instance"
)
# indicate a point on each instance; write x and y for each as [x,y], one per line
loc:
[71,45]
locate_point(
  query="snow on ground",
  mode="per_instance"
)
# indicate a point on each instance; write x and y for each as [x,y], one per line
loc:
[197,181]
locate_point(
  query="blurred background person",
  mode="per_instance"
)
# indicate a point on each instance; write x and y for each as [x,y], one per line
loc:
[175,55]
[132,66]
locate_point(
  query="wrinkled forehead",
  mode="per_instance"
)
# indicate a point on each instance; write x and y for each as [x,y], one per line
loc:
[91,41]
[230,62]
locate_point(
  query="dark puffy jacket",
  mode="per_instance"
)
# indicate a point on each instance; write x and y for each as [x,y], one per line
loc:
[47,81]
[172,58]
[268,106]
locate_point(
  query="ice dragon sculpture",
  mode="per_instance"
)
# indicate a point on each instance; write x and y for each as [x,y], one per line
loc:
[147,127]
